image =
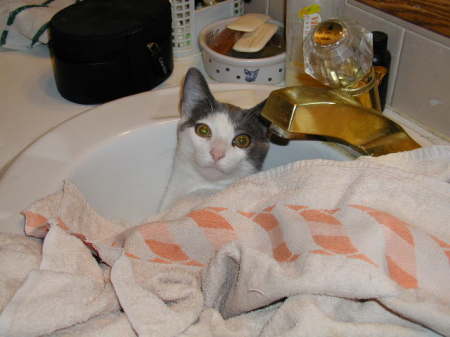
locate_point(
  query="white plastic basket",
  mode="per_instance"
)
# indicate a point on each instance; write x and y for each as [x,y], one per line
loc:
[187,22]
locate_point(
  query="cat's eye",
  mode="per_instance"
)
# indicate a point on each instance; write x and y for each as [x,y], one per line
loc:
[202,130]
[242,141]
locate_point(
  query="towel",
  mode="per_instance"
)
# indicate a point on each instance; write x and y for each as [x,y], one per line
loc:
[113,324]
[313,248]
[24,23]
[18,256]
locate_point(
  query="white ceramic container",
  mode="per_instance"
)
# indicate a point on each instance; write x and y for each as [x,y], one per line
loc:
[222,68]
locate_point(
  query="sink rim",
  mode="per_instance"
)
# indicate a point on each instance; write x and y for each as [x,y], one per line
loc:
[20,185]
[56,155]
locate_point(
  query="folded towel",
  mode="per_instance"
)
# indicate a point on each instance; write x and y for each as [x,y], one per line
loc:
[24,23]
[314,248]
[18,256]
[114,324]
[69,287]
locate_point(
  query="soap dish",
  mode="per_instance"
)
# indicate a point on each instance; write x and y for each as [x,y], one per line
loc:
[227,65]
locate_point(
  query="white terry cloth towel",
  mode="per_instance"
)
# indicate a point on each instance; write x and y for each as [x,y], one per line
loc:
[18,256]
[313,248]
[68,288]
[24,23]
[113,324]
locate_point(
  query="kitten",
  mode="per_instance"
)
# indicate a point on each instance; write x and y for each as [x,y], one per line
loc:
[217,143]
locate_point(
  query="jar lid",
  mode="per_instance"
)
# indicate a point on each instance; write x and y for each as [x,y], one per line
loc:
[98,19]
[338,53]
[94,30]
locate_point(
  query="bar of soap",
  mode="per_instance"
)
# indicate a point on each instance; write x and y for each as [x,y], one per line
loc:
[255,41]
[224,41]
[248,22]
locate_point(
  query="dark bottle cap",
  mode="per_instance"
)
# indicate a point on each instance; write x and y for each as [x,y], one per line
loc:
[380,40]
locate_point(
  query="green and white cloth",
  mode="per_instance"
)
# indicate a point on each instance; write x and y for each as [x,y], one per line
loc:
[24,23]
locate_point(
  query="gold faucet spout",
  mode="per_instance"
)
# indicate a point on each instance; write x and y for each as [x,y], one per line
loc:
[331,115]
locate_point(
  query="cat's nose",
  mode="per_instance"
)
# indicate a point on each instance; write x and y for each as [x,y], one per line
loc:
[217,154]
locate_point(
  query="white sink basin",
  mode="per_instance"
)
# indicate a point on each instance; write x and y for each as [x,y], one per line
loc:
[119,155]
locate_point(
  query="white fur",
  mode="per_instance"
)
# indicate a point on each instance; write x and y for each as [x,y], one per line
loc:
[195,170]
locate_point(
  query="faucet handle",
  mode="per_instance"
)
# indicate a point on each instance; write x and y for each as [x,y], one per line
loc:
[338,53]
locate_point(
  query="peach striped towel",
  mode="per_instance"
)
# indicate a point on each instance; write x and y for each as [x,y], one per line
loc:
[314,248]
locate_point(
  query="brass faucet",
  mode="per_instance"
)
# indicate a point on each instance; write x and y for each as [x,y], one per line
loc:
[313,113]
[347,109]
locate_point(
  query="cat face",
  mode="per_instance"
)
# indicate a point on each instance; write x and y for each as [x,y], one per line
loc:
[220,140]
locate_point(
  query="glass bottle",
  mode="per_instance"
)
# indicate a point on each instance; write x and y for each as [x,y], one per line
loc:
[338,53]
[301,17]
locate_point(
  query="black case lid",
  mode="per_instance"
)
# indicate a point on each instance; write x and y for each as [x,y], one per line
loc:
[94,30]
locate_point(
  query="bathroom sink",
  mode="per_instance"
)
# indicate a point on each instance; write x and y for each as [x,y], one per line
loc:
[119,155]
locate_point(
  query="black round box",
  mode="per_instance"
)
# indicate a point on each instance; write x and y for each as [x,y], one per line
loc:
[106,49]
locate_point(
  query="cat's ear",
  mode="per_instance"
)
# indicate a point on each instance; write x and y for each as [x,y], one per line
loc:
[256,110]
[255,113]
[258,107]
[195,93]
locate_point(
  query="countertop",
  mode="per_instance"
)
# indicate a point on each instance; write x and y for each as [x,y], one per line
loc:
[31,104]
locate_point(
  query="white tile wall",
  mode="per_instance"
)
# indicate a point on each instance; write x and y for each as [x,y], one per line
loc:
[276,8]
[419,82]
[422,90]
[256,6]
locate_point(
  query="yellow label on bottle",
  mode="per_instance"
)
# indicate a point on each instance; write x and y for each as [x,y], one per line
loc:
[308,10]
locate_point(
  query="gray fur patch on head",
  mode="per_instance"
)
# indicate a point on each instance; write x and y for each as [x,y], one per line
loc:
[248,122]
